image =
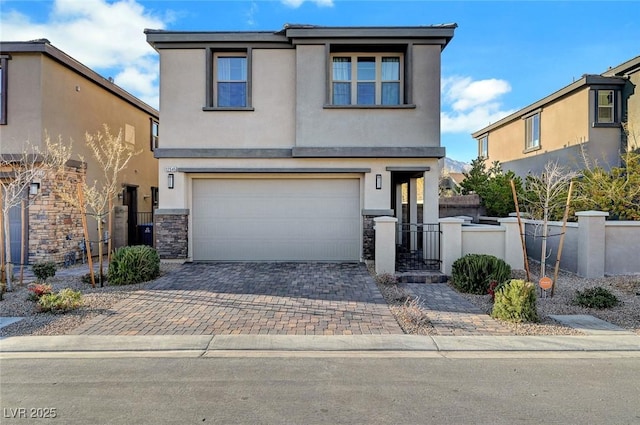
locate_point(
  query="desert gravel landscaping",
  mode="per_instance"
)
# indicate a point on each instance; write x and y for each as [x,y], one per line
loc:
[98,301]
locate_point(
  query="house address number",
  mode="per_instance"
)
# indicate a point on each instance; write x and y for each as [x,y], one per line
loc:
[170,169]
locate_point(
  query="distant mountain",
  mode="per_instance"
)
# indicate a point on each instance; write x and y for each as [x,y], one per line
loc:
[453,166]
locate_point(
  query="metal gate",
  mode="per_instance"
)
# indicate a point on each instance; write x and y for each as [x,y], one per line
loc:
[417,247]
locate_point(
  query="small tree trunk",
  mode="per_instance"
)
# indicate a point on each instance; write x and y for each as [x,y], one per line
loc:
[85,229]
[109,231]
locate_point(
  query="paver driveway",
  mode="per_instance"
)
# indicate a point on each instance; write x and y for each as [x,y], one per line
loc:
[252,298]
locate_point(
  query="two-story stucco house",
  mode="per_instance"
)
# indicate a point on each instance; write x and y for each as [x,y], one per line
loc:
[45,91]
[580,120]
[283,146]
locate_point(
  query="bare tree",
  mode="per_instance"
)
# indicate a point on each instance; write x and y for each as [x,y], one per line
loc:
[18,172]
[112,154]
[546,197]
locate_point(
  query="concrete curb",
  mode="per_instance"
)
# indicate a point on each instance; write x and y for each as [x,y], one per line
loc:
[205,343]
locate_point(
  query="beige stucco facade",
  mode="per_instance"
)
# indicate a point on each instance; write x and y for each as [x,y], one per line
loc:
[290,129]
[50,93]
[569,128]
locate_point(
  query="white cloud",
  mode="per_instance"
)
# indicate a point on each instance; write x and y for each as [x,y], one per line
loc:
[470,105]
[106,37]
[297,3]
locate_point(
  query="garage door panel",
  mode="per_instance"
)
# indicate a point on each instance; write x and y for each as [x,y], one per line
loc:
[276,219]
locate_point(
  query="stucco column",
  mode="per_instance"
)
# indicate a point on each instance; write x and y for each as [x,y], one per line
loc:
[385,228]
[591,243]
[512,243]
[450,243]
[413,213]
[430,206]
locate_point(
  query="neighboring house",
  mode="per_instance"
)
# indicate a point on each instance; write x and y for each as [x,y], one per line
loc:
[580,120]
[43,90]
[283,146]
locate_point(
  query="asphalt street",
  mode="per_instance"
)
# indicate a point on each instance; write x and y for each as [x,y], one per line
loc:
[344,388]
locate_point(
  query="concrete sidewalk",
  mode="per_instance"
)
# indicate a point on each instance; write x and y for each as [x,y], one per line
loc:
[207,345]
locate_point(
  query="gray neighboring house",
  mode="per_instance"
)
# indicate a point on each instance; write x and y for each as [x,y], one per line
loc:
[283,146]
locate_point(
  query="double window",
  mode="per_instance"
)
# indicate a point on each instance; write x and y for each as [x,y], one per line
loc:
[605,109]
[367,79]
[532,132]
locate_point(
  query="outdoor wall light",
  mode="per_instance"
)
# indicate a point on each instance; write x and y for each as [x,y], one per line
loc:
[33,188]
[170,181]
[378,181]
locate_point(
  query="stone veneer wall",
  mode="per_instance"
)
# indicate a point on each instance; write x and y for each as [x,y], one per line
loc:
[171,234]
[368,238]
[55,227]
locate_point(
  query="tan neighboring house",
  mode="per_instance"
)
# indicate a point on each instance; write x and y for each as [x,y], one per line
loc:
[284,146]
[581,119]
[43,90]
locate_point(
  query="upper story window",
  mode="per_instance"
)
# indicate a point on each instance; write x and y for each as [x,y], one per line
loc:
[532,132]
[483,146]
[605,109]
[367,79]
[229,80]
[3,89]
[155,134]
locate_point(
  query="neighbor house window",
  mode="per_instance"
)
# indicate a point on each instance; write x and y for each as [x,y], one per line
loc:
[605,106]
[154,197]
[532,131]
[3,88]
[483,146]
[155,134]
[371,79]
[231,80]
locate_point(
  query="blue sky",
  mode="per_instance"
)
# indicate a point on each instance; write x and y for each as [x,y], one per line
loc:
[504,55]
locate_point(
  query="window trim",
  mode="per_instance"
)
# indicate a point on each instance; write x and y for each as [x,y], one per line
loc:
[483,146]
[528,138]
[211,80]
[614,109]
[4,61]
[154,138]
[354,55]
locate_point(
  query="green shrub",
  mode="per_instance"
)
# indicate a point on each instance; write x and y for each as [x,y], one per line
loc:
[474,272]
[597,297]
[65,300]
[44,271]
[133,264]
[515,301]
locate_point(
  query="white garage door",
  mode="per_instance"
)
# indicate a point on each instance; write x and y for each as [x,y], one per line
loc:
[276,219]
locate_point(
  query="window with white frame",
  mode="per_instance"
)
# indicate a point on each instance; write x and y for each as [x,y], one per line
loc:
[230,80]
[532,131]
[605,111]
[366,79]
[155,134]
[483,146]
